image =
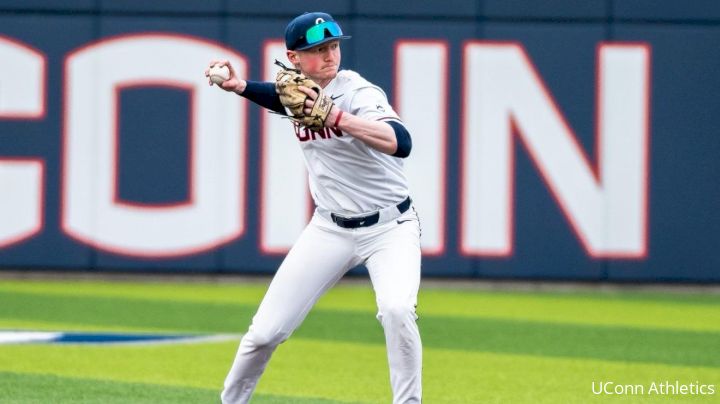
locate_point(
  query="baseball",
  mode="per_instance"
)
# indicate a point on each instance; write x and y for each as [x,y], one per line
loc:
[218,74]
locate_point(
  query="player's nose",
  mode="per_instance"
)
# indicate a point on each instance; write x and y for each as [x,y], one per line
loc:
[330,55]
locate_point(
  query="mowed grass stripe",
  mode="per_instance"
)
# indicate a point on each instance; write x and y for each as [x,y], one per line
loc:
[700,312]
[43,388]
[252,290]
[134,313]
[533,338]
[205,366]
[615,309]
[358,372]
[472,334]
[150,290]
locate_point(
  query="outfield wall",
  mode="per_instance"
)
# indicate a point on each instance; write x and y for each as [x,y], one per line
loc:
[552,140]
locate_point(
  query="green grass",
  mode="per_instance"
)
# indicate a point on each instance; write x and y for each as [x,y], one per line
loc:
[479,346]
[42,389]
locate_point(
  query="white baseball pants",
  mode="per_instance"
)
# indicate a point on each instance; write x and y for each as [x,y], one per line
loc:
[322,255]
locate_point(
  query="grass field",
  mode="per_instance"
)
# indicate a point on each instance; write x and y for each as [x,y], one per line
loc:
[480,346]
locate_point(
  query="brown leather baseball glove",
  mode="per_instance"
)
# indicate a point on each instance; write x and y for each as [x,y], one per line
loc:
[287,82]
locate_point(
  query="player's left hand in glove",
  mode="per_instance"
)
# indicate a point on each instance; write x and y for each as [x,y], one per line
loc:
[287,84]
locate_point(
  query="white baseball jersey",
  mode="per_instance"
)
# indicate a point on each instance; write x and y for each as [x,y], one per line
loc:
[346,176]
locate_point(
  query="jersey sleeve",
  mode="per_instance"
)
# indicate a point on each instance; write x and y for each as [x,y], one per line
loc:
[372,104]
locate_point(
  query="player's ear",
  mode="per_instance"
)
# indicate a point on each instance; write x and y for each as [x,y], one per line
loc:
[292,56]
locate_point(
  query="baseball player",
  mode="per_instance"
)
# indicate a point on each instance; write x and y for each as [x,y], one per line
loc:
[354,145]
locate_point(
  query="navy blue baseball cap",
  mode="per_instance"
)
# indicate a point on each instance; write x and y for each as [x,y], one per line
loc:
[311,29]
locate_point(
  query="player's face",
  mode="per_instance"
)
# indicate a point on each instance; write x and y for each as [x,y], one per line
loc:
[320,63]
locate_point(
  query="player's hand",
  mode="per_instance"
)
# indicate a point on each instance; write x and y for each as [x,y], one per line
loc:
[233,84]
[310,102]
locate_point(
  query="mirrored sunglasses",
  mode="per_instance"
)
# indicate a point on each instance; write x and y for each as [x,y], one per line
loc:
[318,32]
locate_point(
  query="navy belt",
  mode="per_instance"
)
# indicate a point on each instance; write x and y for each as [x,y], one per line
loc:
[369,220]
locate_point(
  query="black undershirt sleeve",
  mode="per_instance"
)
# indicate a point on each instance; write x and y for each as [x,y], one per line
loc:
[404,142]
[263,94]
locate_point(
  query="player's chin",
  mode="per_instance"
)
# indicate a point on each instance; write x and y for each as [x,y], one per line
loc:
[328,74]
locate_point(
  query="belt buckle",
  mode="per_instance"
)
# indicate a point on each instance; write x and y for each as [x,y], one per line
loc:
[354,222]
[341,221]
